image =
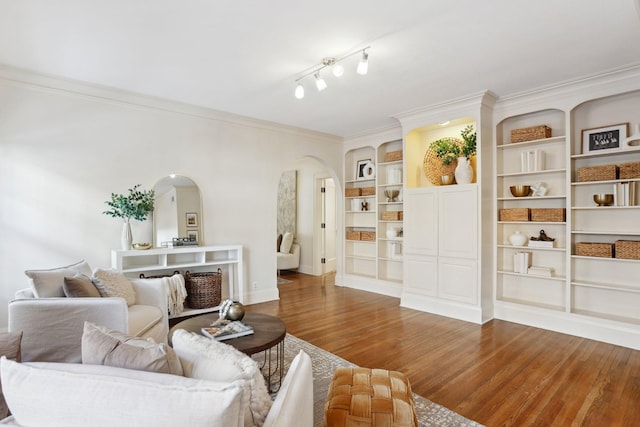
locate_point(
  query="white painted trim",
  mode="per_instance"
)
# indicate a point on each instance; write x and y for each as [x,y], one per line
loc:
[255,296]
[371,285]
[109,94]
[442,307]
[609,331]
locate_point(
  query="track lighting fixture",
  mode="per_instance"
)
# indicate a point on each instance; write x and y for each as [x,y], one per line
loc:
[337,70]
[363,65]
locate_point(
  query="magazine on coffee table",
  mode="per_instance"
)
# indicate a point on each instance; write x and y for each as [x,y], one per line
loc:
[227,331]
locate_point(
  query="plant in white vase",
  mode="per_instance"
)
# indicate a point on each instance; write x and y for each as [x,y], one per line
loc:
[464,171]
[138,204]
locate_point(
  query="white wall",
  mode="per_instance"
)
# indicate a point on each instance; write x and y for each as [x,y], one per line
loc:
[64,147]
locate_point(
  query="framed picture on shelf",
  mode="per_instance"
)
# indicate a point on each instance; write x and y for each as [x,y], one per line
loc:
[365,169]
[192,219]
[608,138]
[192,235]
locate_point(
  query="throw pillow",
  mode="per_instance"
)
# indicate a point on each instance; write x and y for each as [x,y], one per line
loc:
[77,395]
[112,283]
[10,348]
[207,359]
[287,241]
[79,286]
[48,283]
[103,346]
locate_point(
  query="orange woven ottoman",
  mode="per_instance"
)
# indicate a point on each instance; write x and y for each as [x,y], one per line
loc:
[362,397]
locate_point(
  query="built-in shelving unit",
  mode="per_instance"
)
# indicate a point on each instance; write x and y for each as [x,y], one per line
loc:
[160,261]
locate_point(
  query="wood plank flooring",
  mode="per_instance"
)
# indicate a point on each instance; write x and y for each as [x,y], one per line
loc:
[498,374]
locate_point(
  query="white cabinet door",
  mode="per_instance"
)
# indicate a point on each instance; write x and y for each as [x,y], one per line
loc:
[421,274]
[458,279]
[421,222]
[458,221]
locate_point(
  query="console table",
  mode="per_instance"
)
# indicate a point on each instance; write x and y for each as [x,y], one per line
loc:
[158,261]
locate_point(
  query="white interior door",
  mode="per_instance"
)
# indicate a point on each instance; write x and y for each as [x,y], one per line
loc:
[329,230]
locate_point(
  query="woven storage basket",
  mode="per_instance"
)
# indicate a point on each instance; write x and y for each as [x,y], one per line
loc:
[368,191]
[368,236]
[204,290]
[598,173]
[393,156]
[627,249]
[602,250]
[353,235]
[548,214]
[514,214]
[629,170]
[392,216]
[352,192]
[530,133]
[432,165]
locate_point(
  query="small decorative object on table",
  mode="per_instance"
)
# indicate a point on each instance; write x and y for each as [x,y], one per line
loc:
[446,179]
[227,329]
[142,246]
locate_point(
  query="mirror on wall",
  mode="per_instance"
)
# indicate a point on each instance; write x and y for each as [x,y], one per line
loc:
[178,212]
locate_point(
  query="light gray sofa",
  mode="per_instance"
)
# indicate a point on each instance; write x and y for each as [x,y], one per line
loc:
[52,327]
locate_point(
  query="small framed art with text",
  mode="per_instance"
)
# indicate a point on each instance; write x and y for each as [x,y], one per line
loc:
[604,138]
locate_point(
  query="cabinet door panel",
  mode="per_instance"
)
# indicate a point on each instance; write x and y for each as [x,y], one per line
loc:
[458,219]
[457,280]
[421,274]
[421,222]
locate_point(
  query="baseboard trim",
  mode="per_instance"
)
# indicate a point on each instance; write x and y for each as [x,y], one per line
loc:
[442,307]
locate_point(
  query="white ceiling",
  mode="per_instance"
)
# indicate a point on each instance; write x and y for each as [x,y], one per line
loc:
[243,56]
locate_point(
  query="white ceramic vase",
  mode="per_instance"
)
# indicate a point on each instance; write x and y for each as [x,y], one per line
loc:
[517,239]
[126,239]
[463,172]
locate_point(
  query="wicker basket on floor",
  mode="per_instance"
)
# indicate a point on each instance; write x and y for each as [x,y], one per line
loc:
[204,290]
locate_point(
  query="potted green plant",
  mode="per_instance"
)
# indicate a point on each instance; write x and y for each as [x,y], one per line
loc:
[446,150]
[469,146]
[138,204]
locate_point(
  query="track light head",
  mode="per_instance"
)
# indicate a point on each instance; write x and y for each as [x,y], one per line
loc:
[338,70]
[363,65]
[320,83]
[299,91]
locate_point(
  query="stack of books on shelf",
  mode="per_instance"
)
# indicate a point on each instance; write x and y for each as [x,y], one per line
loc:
[522,265]
[625,193]
[540,271]
[540,243]
[227,330]
[531,161]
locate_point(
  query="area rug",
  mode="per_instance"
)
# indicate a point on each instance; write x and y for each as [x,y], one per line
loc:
[281,280]
[324,364]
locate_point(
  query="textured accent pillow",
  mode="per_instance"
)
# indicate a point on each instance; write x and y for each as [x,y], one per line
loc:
[48,283]
[10,348]
[104,346]
[112,283]
[79,286]
[287,241]
[207,359]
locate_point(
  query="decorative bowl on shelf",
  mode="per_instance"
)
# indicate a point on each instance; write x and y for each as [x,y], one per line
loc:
[520,190]
[142,246]
[391,195]
[603,199]
[446,179]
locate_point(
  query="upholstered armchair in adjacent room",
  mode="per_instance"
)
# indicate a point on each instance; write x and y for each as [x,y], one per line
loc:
[289,260]
[52,323]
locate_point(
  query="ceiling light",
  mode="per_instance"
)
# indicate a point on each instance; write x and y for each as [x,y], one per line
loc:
[444,123]
[363,65]
[320,83]
[336,69]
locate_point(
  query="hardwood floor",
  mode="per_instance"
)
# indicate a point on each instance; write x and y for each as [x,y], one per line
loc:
[498,374]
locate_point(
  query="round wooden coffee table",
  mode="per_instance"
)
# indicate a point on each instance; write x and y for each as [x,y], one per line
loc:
[269,333]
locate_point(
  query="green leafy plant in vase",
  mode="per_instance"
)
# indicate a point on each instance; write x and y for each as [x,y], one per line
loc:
[469,136]
[446,150]
[465,172]
[137,205]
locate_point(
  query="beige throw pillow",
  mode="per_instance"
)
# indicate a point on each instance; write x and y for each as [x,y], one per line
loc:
[80,286]
[10,348]
[103,346]
[48,283]
[112,283]
[287,242]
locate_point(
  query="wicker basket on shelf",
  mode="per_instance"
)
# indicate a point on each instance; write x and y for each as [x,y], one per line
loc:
[514,214]
[530,133]
[368,236]
[548,214]
[602,250]
[598,173]
[433,167]
[204,290]
[627,249]
[630,170]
